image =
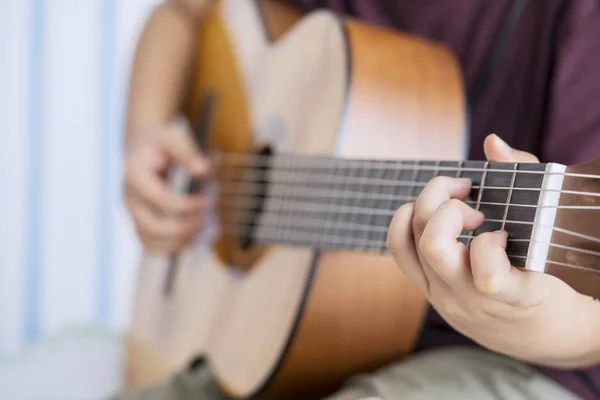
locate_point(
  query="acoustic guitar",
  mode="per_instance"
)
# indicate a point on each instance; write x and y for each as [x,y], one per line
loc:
[320,127]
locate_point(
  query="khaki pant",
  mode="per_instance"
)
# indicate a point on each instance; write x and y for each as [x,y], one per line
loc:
[446,374]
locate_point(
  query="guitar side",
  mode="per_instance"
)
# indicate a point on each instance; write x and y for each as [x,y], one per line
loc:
[294,319]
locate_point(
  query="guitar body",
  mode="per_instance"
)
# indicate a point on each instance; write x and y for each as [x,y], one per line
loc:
[289,321]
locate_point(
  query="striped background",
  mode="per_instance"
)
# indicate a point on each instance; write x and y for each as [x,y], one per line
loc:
[67,248]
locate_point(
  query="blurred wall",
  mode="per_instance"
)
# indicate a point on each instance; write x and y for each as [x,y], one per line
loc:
[68,252]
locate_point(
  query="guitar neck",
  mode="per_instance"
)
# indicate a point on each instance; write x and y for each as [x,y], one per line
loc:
[348,204]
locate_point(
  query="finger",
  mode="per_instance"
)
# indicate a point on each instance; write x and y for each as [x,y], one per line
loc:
[447,257]
[494,275]
[400,242]
[180,146]
[152,190]
[163,228]
[497,150]
[161,245]
[437,191]
[165,245]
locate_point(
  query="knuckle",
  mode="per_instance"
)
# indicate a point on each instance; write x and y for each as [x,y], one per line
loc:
[482,241]
[453,204]
[182,147]
[178,206]
[477,241]
[432,249]
[439,180]
[166,202]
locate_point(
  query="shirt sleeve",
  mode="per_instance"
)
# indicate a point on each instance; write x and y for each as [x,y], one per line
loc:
[573,119]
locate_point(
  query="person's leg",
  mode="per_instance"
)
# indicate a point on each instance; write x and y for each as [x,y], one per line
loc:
[453,373]
[192,384]
[449,374]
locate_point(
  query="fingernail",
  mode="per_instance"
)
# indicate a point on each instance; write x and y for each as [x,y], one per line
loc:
[502,232]
[502,145]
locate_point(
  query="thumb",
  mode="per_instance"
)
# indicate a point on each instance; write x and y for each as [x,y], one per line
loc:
[497,150]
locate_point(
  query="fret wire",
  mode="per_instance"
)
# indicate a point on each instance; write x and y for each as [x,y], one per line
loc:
[414,178]
[460,165]
[330,204]
[380,174]
[345,186]
[361,241]
[478,202]
[312,181]
[291,193]
[355,202]
[272,199]
[509,196]
[289,196]
[459,169]
[362,202]
[390,201]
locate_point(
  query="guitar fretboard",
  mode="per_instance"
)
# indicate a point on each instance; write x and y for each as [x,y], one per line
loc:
[346,204]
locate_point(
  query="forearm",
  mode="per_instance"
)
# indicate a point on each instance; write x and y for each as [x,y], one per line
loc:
[160,68]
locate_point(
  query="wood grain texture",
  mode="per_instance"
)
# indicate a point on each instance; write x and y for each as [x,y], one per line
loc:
[576,261]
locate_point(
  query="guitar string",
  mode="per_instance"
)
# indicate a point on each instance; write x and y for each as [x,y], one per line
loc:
[334,194]
[376,247]
[314,223]
[405,165]
[297,205]
[395,184]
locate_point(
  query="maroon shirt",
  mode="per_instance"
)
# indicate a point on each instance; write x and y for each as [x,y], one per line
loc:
[544,98]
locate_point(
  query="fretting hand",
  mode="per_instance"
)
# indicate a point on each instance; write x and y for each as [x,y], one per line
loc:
[527,315]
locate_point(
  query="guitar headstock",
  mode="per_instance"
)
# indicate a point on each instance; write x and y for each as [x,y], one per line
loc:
[574,248]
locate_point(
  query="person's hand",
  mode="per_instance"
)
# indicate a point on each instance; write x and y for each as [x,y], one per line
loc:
[165,221]
[526,315]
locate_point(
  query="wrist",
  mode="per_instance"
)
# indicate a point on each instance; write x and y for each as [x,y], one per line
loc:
[141,134]
[576,339]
